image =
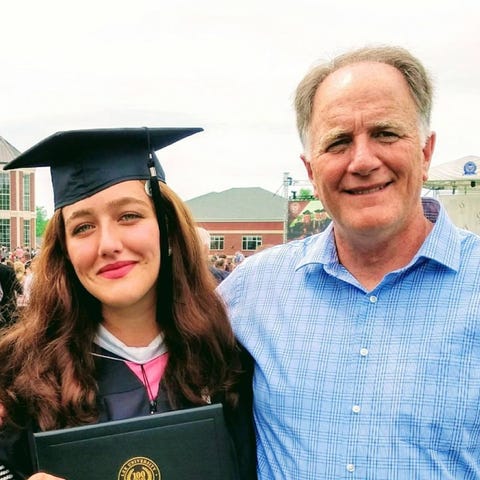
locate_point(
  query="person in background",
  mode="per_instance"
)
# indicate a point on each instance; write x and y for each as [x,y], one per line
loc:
[19,269]
[229,266]
[10,288]
[239,257]
[365,337]
[218,273]
[18,254]
[122,320]
[26,283]
[221,264]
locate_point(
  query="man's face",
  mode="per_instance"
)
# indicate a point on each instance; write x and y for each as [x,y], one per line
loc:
[364,155]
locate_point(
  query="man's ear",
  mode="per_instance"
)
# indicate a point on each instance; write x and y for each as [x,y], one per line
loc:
[428,154]
[308,167]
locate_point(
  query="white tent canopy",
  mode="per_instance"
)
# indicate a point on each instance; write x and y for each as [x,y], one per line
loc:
[457,186]
[463,174]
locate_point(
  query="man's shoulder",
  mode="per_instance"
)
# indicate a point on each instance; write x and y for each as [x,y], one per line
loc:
[290,253]
[452,246]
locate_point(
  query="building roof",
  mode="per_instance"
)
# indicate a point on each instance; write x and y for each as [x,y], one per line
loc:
[239,204]
[457,173]
[7,151]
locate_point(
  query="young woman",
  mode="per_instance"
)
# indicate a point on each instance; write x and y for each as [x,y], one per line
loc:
[123,319]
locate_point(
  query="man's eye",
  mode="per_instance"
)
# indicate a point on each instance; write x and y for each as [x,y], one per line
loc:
[387,136]
[338,144]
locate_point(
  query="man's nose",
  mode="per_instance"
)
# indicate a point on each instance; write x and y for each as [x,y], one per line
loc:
[364,159]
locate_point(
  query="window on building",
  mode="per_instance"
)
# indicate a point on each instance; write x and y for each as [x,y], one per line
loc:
[5,193]
[26,233]
[217,242]
[26,191]
[251,242]
[5,232]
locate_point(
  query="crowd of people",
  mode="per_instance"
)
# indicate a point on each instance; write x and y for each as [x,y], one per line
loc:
[221,262]
[350,353]
[15,281]
[220,265]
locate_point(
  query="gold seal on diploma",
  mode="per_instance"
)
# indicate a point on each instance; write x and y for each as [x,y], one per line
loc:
[139,468]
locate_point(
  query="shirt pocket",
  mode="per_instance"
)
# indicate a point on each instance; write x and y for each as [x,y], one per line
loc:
[439,410]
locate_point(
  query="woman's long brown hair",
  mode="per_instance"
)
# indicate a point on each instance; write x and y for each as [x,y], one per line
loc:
[47,372]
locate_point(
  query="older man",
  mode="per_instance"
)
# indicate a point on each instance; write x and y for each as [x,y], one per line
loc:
[366,337]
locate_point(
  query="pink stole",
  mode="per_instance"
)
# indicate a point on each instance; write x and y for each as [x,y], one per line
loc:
[154,370]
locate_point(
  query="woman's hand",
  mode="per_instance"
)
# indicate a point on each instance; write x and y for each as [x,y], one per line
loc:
[44,476]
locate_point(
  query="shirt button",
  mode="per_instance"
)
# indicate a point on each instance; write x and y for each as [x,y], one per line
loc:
[351,467]
[356,409]
[373,299]
[364,352]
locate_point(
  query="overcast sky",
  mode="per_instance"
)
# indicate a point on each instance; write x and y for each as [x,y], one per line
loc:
[229,67]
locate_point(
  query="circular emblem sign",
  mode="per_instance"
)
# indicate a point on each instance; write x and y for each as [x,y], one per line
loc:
[470,168]
[139,468]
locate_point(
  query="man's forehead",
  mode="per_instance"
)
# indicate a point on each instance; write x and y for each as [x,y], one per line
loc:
[348,74]
[362,83]
[363,97]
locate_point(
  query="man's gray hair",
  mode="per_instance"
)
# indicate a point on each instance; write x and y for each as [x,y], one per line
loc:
[411,68]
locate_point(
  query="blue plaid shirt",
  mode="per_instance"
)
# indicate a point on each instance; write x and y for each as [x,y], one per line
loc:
[356,384]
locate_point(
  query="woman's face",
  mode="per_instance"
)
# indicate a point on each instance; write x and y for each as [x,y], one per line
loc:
[113,243]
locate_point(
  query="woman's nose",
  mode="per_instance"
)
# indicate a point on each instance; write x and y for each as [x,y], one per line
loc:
[109,240]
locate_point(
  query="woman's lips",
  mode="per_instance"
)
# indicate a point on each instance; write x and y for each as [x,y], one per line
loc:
[116,270]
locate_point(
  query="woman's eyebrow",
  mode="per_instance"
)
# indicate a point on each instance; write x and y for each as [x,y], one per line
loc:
[116,203]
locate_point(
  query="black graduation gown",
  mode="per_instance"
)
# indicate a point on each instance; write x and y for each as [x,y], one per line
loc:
[122,395]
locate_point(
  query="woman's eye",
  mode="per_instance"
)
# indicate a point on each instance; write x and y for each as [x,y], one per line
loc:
[130,216]
[81,228]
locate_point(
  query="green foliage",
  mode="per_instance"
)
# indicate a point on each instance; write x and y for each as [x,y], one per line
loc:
[41,222]
[305,194]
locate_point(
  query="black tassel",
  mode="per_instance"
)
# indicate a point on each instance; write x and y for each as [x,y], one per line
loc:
[164,283]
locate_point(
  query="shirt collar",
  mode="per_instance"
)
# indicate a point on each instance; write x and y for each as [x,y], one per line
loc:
[319,249]
[442,245]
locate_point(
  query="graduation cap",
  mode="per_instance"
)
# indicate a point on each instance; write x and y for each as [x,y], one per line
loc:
[84,162]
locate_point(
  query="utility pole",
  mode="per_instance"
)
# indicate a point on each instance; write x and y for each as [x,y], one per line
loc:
[287,182]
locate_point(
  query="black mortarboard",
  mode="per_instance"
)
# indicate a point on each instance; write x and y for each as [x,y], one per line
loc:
[84,162]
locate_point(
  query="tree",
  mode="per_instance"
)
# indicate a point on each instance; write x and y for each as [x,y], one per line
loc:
[305,194]
[42,221]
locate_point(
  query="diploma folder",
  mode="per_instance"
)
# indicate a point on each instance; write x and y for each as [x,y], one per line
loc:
[190,444]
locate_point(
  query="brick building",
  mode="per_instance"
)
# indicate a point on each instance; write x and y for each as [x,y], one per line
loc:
[241,219]
[17,202]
